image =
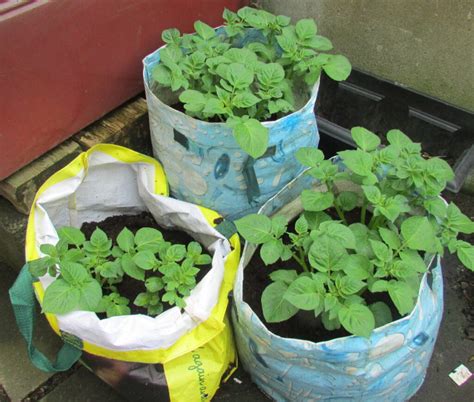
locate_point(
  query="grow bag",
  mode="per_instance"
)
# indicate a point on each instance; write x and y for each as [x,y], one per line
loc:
[205,165]
[389,366]
[181,354]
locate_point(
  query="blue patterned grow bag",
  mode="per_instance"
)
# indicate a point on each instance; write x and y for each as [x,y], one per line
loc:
[205,165]
[389,366]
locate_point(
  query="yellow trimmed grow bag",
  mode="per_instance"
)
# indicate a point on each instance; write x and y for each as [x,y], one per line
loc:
[179,355]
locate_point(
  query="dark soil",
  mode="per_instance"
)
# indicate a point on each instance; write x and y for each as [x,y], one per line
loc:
[303,325]
[465,278]
[113,225]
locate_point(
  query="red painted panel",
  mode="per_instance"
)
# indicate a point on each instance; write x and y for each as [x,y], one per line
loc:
[64,64]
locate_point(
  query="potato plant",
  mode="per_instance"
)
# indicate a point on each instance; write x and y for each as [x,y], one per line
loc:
[88,271]
[240,81]
[334,263]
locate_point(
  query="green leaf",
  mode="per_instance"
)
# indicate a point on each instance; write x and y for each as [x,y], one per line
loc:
[402,296]
[239,76]
[215,106]
[111,269]
[358,161]
[348,200]
[413,260]
[381,251]
[319,42]
[148,239]
[284,275]
[316,201]
[357,319]
[304,294]
[279,224]
[170,35]
[390,237]
[99,238]
[61,297]
[365,139]
[90,295]
[338,232]
[465,253]
[418,234]
[176,252]
[270,74]
[141,300]
[245,99]
[255,228]
[154,284]
[126,240]
[73,273]
[306,28]
[194,249]
[373,194]
[203,30]
[251,136]
[379,286]
[338,68]
[193,100]
[115,310]
[131,269]
[162,74]
[271,251]
[309,156]
[357,266]
[72,235]
[436,207]
[349,285]
[145,260]
[316,218]
[458,220]
[398,139]
[301,225]
[274,306]
[382,313]
[49,249]
[40,266]
[327,255]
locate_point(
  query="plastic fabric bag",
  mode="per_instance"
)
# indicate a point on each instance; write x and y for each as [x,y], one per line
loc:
[389,366]
[179,355]
[204,163]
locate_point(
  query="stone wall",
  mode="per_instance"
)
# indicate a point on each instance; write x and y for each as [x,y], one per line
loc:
[426,45]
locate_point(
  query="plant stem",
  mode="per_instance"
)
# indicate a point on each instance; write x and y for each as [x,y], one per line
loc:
[340,213]
[301,253]
[300,261]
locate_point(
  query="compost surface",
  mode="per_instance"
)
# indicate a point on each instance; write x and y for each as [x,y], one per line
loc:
[131,287]
[304,325]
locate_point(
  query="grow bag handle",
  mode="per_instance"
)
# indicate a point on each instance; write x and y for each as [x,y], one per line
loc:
[22,298]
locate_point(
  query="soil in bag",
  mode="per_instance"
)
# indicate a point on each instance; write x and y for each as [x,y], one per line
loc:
[303,325]
[112,226]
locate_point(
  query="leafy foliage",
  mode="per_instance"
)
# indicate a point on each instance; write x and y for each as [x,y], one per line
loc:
[244,82]
[86,268]
[342,262]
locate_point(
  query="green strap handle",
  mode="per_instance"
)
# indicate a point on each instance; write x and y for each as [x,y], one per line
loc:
[22,298]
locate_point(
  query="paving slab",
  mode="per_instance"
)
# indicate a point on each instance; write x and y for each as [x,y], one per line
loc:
[17,375]
[12,235]
[83,386]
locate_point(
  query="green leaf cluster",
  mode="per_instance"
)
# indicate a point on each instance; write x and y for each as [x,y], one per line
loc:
[335,263]
[88,271]
[243,85]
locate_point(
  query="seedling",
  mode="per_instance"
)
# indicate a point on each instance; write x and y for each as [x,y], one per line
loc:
[336,263]
[85,269]
[224,75]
